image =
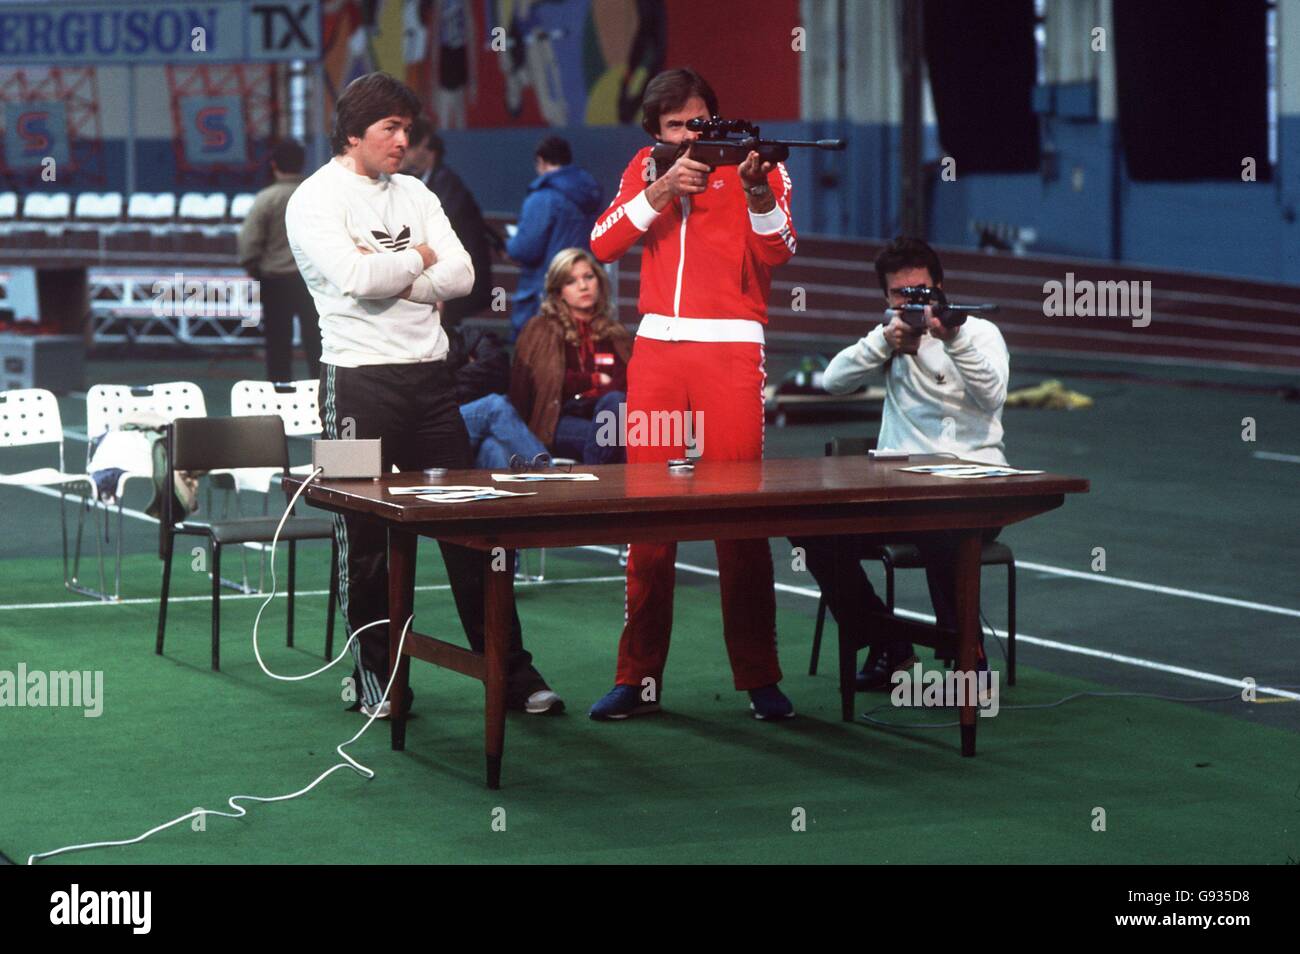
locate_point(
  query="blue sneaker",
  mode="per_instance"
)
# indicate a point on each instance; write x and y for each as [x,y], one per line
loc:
[770,703]
[621,702]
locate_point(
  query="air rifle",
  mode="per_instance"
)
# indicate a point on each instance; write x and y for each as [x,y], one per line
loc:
[726,142]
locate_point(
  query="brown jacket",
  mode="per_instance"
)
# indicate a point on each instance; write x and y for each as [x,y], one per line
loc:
[537,377]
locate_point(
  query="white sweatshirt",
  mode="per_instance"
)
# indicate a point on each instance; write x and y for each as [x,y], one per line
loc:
[362,321]
[945,399]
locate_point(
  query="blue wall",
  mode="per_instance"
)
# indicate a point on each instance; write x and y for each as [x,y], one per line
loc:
[1236,228]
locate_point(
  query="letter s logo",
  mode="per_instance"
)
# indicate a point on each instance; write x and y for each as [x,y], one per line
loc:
[211,124]
[35,135]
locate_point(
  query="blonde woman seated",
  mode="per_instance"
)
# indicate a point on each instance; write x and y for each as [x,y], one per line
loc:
[570,368]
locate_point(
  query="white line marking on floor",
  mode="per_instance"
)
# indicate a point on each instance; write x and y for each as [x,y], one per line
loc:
[1081,650]
[1156,588]
[706,571]
[46,491]
[1269,455]
[1035,640]
[1104,578]
[153,600]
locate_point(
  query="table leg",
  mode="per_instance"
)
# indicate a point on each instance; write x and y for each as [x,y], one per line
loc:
[498,598]
[969,547]
[401,604]
[848,654]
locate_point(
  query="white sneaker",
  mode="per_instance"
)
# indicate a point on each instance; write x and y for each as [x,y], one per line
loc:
[381,711]
[544,702]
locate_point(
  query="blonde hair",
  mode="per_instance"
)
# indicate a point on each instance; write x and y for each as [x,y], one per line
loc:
[554,308]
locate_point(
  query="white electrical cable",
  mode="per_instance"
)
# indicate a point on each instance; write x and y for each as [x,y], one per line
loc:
[347,763]
[267,602]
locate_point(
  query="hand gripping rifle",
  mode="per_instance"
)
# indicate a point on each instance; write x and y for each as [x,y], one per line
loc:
[726,142]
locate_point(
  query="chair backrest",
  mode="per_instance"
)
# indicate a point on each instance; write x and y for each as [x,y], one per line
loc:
[99,206]
[849,446]
[8,205]
[206,207]
[295,401]
[151,206]
[47,206]
[108,405]
[173,399]
[240,205]
[29,416]
[228,443]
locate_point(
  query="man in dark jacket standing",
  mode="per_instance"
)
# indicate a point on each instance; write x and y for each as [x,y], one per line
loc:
[559,213]
[264,254]
[424,161]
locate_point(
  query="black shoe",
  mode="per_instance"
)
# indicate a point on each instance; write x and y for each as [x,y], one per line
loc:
[878,670]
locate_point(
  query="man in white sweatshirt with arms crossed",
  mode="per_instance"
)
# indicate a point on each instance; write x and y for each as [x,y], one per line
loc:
[944,391]
[378,253]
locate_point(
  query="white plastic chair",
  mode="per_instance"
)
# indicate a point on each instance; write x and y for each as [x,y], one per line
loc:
[99,206]
[108,407]
[47,206]
[28,418]
[203,207]
[297,404]
[240,205]
[151,207]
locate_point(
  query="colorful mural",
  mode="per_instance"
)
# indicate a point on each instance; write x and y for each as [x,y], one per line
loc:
[562,62]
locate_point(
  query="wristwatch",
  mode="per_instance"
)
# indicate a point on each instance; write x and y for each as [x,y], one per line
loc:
[758,190]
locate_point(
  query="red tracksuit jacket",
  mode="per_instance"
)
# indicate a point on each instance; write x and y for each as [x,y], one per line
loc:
[702,258]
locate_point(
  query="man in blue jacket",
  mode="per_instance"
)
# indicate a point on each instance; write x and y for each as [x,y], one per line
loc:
[559,213]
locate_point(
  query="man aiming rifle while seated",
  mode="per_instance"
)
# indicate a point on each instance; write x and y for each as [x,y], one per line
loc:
[945,384]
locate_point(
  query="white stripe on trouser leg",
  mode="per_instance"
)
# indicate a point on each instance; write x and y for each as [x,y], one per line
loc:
[370,690]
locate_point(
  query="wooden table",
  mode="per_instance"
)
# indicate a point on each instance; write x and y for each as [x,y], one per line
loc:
[646,503]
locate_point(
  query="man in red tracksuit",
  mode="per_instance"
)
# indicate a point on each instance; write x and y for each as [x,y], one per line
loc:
[712,238]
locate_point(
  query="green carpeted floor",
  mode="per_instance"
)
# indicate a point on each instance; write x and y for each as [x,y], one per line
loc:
[1189,516]
[702,782]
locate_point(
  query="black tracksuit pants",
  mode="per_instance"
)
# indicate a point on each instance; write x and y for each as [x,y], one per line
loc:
[412,409]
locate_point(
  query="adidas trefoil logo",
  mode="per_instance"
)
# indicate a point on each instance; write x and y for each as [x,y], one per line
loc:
[393,244]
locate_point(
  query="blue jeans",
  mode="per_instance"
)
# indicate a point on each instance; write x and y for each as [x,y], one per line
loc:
[576,436]
[497,432]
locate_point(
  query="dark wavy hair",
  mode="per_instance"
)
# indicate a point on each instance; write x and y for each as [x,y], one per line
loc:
[367,100]
[669,91]
[555,310]
[907,252]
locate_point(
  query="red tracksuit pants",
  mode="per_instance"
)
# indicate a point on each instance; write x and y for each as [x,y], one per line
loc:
[723,382]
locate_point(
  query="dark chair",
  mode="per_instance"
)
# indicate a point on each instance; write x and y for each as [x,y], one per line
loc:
[200,444]
[906,556]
